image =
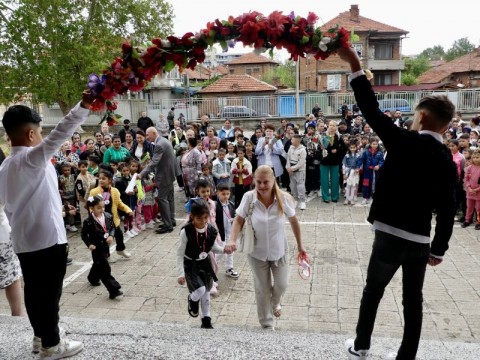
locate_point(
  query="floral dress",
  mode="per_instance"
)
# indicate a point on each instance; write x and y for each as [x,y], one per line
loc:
[191,167]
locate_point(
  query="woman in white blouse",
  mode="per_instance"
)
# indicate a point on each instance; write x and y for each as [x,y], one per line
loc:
[269,258]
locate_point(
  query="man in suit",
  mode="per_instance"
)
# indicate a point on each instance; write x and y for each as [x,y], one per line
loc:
[163,165]
[418,175]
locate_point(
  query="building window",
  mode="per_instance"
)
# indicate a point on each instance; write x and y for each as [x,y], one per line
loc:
[347,84]
[359,49]
[248,71]
[383,51]
[383,79]
[334,82]
[231,71]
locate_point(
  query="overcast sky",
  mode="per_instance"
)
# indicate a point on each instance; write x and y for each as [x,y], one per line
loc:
[428,22]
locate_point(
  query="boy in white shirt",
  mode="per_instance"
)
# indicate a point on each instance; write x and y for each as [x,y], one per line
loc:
[221,168]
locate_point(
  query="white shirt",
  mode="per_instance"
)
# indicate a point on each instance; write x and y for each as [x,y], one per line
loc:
[4,227]
[29,189]
[268,225]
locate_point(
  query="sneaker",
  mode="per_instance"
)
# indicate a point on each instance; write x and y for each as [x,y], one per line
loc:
[465,224]
[345,202]
[142,227]
[193,307]
[207,322]
[302,205]
[364,201]
[134,232]
[67,227]
[214,290]
[111,260]
[124,254]
[116,295]
[150,225]
[69,261]
[355,354]
[232,273]
[37,342]
[63,349]
[73,228]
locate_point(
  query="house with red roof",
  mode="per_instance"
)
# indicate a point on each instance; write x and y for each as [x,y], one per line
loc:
[251,64]
[378,44]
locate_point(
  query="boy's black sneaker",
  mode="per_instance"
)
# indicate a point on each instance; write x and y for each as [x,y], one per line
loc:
[116,294]
[193,307]
[207,322]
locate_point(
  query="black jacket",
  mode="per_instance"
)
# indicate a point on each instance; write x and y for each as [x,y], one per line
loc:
[220,215]
[417,178]
[94,234]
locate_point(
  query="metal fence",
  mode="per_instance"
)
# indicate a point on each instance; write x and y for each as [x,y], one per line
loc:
[277,105]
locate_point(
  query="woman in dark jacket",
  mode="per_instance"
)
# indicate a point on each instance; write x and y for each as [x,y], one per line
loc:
[333,151]
[142,149]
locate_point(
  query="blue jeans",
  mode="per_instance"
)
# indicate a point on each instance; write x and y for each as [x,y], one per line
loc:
[389,252]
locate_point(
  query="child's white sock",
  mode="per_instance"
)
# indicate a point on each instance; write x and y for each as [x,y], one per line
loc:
[198,293]
[205,304]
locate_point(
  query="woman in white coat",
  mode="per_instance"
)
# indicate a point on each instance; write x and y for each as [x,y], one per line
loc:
[269,258]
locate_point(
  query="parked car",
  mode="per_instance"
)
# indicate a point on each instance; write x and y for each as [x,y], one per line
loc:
[395,104]
[237,111]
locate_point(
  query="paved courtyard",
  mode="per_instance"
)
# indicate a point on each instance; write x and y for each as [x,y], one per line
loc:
[338,239]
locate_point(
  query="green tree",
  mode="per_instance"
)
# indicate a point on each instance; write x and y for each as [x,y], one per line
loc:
[281,75]
[414,67]
[459,48]
[49,47]
[434,53]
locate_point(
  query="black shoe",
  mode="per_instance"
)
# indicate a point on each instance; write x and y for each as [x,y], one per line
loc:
[477,226]
[207,322]
[164,230]
[334,201]
[115,294]
[193,308]
[465,224]
[69,261]
[98,283]
[174,223]
[326,201]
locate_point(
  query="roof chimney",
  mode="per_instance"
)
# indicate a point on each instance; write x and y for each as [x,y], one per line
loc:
[354,13]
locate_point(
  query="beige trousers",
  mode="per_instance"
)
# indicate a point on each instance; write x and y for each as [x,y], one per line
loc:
[268,294]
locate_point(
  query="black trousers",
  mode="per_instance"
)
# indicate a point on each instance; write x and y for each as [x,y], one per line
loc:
[390,252]
[102,271]
[240,190]
[43,273]
[119,239]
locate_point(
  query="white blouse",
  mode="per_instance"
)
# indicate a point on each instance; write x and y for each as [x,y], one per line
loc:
[268,225]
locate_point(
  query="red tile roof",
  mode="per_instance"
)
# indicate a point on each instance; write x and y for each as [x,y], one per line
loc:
[200,73]
[363,24]
[251,58]
[237,83]
[465,63]
[388,88]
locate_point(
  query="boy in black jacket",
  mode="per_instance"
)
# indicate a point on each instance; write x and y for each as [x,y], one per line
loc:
[418,177]
[225,213]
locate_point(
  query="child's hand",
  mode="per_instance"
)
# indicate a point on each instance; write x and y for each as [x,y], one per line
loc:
[109,240]
[181,280]
[376,168]
[92,247]
[235,171]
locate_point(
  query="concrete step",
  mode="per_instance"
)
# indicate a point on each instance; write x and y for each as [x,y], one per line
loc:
[108,339]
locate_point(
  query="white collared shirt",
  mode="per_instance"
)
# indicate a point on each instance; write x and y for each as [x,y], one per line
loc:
[269,226]
[29,189]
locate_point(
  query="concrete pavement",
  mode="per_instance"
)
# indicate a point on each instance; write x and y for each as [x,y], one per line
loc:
[318,314]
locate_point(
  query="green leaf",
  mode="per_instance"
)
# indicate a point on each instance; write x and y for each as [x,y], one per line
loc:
[169,66]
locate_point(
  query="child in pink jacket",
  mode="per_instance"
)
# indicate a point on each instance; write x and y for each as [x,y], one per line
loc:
[472,188]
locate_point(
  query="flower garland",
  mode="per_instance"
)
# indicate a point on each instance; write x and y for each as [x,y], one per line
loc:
[138,66]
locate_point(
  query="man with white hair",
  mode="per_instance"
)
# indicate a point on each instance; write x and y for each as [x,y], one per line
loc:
[163,165]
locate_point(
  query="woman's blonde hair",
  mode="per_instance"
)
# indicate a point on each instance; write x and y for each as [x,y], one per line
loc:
[279,194]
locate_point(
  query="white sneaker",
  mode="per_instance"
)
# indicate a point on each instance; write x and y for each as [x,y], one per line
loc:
[142,227]
[391,356]
[124,253]
[134,232]
[364,201]
[345,202]
[319,193]
[37,342]
[73,228]
[150,225]
[355,354]
[67,227]
[129,234]
[63,349]
[302,205]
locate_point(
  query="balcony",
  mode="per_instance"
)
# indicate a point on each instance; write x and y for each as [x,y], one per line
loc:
[393,65]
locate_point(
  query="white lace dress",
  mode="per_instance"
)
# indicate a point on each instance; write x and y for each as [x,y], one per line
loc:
[9,264]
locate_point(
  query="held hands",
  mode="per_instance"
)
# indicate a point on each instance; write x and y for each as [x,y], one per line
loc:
[181,280]
[87,99]
[230,248]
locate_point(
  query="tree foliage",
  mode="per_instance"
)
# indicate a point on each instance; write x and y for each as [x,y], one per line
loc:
[434,53]
[49,47]
[281,75]
[459,48]
[414,67]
